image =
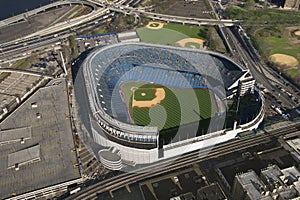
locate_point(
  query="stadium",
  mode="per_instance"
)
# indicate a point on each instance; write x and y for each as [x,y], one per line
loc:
[145,103]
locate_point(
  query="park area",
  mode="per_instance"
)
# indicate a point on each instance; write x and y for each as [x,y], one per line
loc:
[169,108]
[280,47]
[275,33]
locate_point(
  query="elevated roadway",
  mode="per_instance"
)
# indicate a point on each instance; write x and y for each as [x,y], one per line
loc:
[24,16]
[173,18]
[69,23]
[119,181]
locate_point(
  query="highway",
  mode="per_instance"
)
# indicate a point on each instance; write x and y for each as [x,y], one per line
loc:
[156,169]
[27,14]
[70,23]
[105,10]
[172,18]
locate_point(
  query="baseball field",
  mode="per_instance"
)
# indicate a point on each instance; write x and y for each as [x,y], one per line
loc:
[166,107]
[173,34]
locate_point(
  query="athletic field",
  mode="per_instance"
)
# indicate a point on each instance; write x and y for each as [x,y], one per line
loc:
[171,34]
[166,107]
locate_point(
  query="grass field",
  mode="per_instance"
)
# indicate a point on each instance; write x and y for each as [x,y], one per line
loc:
[273,40]
[255,17]
[190,31]
[270,32]
[180,106]
[171,33]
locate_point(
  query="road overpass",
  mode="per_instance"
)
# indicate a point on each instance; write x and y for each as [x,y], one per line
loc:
[173,18]
[69,23]
[24,16]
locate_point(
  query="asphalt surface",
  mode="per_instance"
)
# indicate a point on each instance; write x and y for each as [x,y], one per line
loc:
[189,9]
[33,24]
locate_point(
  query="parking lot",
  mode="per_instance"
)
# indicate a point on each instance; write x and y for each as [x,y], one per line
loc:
[197,9]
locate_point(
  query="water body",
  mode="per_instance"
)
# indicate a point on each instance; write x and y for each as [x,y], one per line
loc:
[9,8]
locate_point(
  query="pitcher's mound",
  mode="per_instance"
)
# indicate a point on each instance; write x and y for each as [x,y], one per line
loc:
[283,60]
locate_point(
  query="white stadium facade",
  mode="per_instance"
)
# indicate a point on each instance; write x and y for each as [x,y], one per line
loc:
[117,142]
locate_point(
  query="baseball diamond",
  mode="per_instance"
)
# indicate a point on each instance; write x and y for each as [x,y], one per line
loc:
[176,102]
[151,102]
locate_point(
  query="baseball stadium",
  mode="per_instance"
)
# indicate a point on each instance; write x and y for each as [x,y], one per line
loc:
[149,102]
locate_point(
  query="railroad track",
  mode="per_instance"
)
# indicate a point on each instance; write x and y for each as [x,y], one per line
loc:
[185,160]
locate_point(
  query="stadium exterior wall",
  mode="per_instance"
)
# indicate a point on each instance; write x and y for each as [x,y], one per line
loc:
[204,143]
[258,119]
[143,156]
[137,156]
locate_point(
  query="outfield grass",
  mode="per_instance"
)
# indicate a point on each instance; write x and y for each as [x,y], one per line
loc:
[171,33]
[190,31]
[161,36]
[180,106]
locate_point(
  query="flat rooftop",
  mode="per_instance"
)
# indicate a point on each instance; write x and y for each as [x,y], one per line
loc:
[39,139]
[25,156]
[210,192]
[252,184]
[15,135]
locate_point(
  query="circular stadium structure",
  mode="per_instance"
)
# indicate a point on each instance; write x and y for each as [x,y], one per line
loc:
[146,102]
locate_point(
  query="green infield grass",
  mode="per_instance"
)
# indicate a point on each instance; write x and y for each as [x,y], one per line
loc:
[180,106]
[144,94]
